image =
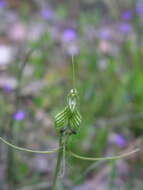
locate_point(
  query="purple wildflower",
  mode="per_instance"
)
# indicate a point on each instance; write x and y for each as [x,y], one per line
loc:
[47,14]
[139,8]
[69,35]
[127,15]
[3,4]
[125,27]
[104,34]
[7,88]
[119,140]
[20,115]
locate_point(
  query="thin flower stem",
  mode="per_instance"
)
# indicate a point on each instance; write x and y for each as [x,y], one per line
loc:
[28,150]
[11,171]
[63,165]
[20,77]
[73,72]
[58,165]
[105,158]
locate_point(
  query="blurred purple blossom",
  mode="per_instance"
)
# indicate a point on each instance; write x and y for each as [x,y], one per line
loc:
[127,15]
[47,14]
[105,34]
[69,35]
[139,8]
[20,115]
[3,3]
[119,140]
[125,27]
[7,88]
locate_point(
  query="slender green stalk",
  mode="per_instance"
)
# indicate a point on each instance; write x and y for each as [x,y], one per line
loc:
[27,149]
[11,172]
[106,158]
[58,165]
[73,72]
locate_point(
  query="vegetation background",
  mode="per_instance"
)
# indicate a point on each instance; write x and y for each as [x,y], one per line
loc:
[37,39]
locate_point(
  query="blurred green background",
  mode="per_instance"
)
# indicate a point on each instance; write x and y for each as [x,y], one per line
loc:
[37,40]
